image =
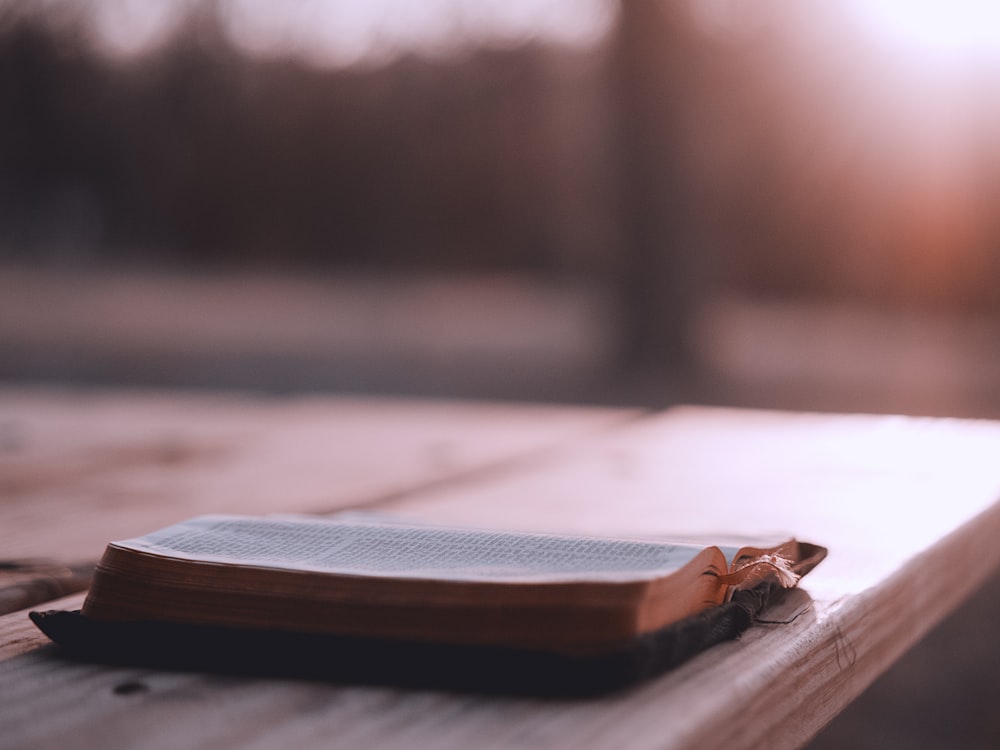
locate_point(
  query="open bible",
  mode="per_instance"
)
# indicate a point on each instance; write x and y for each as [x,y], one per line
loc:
[351,591]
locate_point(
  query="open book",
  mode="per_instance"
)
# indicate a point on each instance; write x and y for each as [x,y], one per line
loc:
[376,580]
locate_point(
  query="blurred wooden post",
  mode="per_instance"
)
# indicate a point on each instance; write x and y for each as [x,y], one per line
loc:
[659,282]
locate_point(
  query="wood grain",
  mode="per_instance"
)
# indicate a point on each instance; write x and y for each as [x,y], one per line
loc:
[26,583]
[907,507]
[79,469]
[19,636]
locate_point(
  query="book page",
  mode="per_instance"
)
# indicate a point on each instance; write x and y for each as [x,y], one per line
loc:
[729,543]
[354,547]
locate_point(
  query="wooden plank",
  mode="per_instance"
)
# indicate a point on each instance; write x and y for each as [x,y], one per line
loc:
[24,583]
[908,508]
[19,636]
[78,469]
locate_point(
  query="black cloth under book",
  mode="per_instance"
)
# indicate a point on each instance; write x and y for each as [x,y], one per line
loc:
[357,660]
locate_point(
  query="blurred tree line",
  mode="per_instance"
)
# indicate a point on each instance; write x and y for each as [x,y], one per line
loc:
[196,154]
[780,154]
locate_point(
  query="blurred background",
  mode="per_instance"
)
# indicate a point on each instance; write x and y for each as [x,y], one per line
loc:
[772,204]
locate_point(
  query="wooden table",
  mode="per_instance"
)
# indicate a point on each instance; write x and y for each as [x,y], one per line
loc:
[907,507]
